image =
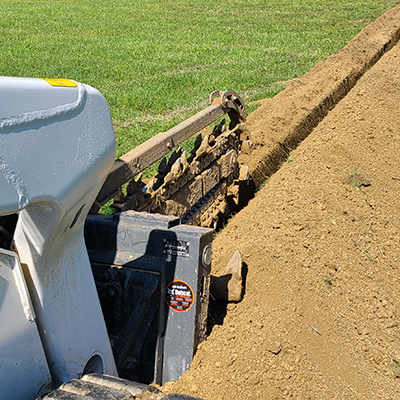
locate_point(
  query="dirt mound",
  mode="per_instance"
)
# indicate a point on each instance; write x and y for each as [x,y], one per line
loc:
[320,316]
[281,123]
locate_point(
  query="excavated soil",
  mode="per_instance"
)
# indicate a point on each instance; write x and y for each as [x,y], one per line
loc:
[320,318]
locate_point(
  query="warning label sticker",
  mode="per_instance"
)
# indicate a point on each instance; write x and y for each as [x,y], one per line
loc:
[176,247]
[61,82]
[179,296]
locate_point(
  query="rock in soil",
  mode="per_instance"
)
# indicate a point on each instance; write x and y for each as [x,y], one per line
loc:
[228,286]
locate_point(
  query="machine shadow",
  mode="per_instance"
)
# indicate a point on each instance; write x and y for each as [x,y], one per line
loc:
[131,270]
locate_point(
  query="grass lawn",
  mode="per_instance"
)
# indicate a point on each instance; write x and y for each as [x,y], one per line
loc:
[156,61]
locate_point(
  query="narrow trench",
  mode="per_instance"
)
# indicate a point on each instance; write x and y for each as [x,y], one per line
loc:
[271,161]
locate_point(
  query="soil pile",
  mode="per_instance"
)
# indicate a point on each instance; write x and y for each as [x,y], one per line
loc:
[321,314]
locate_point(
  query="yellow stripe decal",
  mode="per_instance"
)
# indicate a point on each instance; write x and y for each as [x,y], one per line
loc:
[61,82]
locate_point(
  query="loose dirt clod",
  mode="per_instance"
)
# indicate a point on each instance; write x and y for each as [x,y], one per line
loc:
[229,285]
[320,317]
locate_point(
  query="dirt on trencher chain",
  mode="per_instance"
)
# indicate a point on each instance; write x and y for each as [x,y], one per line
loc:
[320,318]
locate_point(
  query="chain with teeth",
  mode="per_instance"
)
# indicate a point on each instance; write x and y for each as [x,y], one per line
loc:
[194,187]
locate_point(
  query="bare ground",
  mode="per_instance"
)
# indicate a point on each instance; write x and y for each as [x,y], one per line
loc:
[321,240]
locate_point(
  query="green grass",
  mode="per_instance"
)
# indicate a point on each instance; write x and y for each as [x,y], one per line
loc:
[358,179]
[156,61]
[396,366]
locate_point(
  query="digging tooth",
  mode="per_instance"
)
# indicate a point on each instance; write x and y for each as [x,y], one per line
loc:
[174,173]
[131,204]
[135,185]
[233,193]
[172,159]
[220,128]
[203,149]
[216,215]
[197,144]
[143,200]
[163,167]
[149,188]
[159,181]
[211,140]
[138,200]
[223,127]
[169,178]
[217,130]
[174,156]
[186,172]
[163,170]
[223,207]
[176,168]
[184,161]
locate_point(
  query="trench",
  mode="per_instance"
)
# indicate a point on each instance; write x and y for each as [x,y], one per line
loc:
[358,56]
[286,120]
[365,50]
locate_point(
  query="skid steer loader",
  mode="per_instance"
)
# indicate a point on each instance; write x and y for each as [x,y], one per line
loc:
[57,339]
